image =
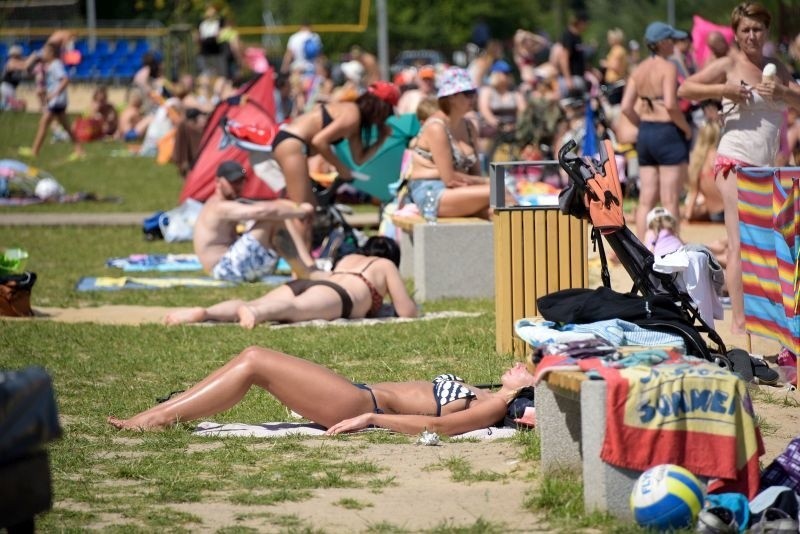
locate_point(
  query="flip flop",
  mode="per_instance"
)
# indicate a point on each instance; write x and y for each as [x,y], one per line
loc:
[762,371]
[742,364]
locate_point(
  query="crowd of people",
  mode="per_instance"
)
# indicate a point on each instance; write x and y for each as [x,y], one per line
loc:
[683,127]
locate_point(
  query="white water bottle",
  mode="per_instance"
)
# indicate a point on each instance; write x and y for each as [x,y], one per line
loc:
[429,207]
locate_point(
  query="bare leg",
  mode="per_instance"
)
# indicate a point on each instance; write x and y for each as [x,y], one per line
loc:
[224,312]
[648,195]
[318,302]
[64,121]
[313,391]
[467,201]
[288,242]
[294,165]
[185,316]
[41,131]
[729,189]
[671,182]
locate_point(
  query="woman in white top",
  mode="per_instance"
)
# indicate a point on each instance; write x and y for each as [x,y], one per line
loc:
[752,107]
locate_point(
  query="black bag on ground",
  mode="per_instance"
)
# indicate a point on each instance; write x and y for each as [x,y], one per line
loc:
[654,312]
[28,420]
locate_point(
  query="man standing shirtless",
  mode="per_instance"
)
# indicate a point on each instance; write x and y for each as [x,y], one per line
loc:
[226,255]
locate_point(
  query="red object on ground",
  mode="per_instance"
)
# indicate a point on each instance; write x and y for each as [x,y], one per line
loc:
[253,105]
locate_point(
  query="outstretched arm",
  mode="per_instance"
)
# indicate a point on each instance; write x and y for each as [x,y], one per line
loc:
[481,415]
[402,301]
[267,210]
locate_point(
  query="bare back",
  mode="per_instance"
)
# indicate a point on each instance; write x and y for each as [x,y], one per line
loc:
[383,278]
[651,77]
[344,114]
[213,233]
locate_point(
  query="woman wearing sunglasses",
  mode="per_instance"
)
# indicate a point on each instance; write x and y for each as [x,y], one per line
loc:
[445,158]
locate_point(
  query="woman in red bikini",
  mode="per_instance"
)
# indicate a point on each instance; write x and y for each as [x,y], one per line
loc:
[354,289]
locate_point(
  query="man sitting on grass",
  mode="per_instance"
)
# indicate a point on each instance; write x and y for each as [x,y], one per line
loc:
[246,258]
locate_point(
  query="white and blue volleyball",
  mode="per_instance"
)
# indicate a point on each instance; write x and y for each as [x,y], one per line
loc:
[667,497]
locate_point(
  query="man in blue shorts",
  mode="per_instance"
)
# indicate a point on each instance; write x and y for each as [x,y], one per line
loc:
[269,233]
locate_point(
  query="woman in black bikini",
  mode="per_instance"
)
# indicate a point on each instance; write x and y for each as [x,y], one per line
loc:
[328,124]
[354,289]
[446,406]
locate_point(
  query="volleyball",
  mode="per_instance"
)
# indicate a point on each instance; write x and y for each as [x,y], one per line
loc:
[666,497]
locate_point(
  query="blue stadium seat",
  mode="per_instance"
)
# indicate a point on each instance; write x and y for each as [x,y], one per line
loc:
[140,46]
[103,47]
[83,72]
[82,46]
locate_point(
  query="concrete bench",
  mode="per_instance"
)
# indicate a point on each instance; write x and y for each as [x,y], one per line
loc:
[452,258]
[569,407]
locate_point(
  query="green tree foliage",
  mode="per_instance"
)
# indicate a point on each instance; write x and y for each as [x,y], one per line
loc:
[446,25]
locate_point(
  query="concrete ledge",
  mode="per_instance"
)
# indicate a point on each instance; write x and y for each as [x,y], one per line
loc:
[564,417]
[449,260]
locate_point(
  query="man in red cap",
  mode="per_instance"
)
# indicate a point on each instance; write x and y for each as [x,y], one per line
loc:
[247,258]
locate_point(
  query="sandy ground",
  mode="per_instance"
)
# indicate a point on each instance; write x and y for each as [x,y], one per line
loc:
[421,498]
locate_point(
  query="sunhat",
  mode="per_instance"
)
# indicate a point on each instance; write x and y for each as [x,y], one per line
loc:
[353,70]
[656,212]
[658,31]
[453,81]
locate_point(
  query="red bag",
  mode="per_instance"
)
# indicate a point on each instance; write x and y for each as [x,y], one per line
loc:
[87,129]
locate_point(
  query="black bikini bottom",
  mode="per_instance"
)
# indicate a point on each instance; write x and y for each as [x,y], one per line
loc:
[300,286]
[283,135]
[374,400]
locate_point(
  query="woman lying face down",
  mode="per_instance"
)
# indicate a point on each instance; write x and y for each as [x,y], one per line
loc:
[354,289]
[446,406]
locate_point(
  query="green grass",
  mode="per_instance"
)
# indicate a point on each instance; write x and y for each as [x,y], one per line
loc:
[122,481]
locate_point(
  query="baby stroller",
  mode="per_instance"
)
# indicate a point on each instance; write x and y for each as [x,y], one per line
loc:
[595,194]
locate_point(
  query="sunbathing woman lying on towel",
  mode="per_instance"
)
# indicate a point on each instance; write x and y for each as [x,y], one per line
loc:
[354,289]
[448,406]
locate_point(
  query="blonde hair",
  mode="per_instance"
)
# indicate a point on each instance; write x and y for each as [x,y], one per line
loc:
[707,140]
[427,107]
[615,36]
[664,221]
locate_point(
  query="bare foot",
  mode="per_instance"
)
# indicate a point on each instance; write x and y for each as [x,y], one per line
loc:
[247,317]
[129,424]
[184,316]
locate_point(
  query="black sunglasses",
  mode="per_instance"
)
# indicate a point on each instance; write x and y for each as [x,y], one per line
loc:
[471,92]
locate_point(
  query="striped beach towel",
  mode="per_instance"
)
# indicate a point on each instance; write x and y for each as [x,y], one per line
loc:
[769,223]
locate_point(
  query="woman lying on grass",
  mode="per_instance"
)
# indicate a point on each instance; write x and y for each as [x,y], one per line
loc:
[354,289]
[315,392]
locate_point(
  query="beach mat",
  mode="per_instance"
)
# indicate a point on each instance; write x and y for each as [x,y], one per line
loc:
[116,283]
[133,315]
[281,429]
[366,321]
[139,263]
